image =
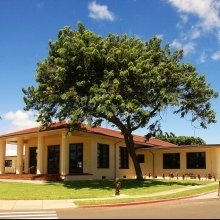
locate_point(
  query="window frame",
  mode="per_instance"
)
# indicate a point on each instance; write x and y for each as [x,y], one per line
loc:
[8,163]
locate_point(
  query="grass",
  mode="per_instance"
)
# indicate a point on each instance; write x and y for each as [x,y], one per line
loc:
[149,198]
[99,189]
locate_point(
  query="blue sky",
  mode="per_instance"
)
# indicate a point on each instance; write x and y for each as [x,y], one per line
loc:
[28,25]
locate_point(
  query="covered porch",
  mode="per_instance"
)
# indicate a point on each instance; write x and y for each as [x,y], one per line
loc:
[46,156]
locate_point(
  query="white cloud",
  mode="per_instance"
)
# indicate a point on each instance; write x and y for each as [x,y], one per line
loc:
[194,33]
[187,47]
[197,17]
[176,44]
[218,36]
[20,120]
[207,11]
[14,121]
[184,18]
[100,12]
[216,55]
[202,57]
[160,36]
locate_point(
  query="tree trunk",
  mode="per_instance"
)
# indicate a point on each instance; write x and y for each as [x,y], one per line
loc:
[129,141]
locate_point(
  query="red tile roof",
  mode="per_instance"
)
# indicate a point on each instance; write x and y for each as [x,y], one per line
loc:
[137,138]
[94,130]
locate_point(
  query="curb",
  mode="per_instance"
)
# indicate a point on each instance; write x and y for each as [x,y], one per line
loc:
[137,203]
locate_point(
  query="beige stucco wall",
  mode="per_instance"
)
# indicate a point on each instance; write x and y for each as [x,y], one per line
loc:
[11,169]
[152,165]
[89,155]
[216,161]
[156,167]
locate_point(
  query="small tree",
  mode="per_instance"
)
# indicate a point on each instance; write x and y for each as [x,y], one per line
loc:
[120,79]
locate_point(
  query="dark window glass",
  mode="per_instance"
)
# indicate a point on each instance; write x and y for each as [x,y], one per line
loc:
[196,160]
[140,158]
[171,161]
[33,160]
[76,158]
[103,156]
[53,159]
[124,158]
[8,163]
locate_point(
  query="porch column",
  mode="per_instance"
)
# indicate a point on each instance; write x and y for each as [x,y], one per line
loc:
[64,158]
[2,156]
[40,155]
[217,162]
[20,145]
[26,160]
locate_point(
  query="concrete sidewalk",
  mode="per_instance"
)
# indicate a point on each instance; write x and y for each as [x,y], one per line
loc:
[69,203]
[36,204]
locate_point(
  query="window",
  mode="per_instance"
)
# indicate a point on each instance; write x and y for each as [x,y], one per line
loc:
[140,158]
[76,158]
[8,163]
[124,158]
[171,161]
[196,160]
[103,156]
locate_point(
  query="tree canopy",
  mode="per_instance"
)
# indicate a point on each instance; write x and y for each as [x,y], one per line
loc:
[117,78]
[180,140]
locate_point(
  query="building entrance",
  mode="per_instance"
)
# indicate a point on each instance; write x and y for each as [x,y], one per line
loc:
[33,160]
[53,159]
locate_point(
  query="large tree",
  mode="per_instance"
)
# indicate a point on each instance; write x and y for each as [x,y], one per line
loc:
[119,79]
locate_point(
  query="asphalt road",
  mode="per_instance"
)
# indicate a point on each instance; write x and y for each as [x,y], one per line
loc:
[175,209]
[178,209]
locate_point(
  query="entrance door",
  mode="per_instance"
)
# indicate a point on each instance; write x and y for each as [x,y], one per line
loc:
[76,158]
[53,159]
[33,160]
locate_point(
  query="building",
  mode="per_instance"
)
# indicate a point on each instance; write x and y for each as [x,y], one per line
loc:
[100,153]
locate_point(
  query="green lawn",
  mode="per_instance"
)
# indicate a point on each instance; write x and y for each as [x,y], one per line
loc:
[94,189]
[115,200]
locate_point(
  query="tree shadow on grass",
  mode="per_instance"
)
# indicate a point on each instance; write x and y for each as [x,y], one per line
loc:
[125,183]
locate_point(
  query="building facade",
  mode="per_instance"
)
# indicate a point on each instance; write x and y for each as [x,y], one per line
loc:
[100,153]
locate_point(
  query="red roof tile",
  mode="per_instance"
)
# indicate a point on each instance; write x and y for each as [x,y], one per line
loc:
[95,130]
